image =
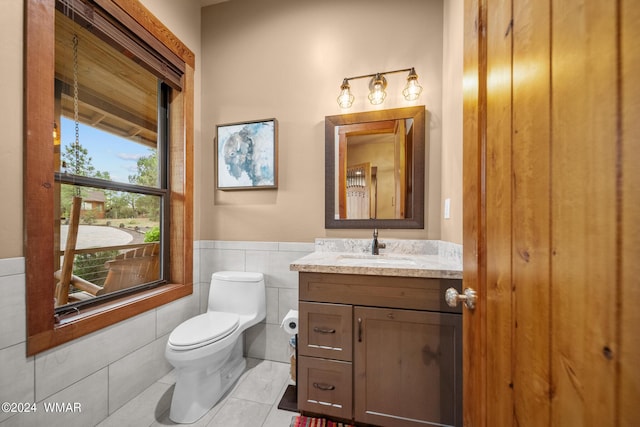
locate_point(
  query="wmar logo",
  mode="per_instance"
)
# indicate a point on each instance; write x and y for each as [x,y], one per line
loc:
[63,407]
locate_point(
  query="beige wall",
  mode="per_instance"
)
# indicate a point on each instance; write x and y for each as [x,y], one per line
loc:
[452,119]
[286,59]
[282,59]
[11,28]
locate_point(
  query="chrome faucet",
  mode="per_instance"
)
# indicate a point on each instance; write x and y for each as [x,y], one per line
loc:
[376,246]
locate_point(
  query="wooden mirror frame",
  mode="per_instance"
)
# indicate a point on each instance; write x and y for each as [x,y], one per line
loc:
[418,114]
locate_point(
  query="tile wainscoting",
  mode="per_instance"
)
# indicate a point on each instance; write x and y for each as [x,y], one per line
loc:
[105,370]
[266,340]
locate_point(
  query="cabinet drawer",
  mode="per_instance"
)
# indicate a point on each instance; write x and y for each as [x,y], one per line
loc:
[325,330]
[415,293]
[325,387]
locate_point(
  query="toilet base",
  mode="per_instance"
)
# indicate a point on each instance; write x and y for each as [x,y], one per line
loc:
[197,391]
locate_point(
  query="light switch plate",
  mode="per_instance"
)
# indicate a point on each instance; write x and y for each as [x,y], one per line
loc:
[447,208]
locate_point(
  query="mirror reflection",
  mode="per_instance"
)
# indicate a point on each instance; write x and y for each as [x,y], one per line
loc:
[375,169]
[377,184]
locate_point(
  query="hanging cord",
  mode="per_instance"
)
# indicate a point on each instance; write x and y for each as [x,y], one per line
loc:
[68,12]
[76,145]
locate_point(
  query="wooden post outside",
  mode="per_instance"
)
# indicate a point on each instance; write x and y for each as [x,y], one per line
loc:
[62,288]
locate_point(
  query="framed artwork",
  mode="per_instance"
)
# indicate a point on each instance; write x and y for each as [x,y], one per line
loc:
[247,155]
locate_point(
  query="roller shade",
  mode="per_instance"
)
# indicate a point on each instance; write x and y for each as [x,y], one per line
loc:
[115,27]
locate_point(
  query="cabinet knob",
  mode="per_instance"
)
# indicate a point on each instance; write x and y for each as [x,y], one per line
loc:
[468,297]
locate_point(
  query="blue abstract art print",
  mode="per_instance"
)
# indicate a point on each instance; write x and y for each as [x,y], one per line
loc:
[247,155]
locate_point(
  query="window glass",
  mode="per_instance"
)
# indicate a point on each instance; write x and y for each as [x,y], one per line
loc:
[101,154]
[112,99]
[107,141]
[112,251]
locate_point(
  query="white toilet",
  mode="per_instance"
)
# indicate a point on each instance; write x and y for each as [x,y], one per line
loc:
[207,350]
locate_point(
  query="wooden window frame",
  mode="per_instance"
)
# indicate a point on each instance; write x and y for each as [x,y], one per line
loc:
[42,330]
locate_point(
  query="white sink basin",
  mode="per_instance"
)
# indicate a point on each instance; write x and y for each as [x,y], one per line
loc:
[374,261]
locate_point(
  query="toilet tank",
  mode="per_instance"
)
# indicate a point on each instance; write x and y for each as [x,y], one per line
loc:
[238,292]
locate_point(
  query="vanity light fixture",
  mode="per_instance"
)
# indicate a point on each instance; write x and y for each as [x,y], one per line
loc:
[377,86]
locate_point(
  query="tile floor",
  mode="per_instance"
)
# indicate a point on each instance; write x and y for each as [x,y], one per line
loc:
[251,402]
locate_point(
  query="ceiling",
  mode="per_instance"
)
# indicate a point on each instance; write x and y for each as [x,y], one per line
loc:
[115,94]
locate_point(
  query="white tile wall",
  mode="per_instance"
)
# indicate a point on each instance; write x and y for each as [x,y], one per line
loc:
[12,304]
[90,393]
[16,376]
[129,376]
[82,404]
[64,365]
[105,370]
[265,340]
[170,315]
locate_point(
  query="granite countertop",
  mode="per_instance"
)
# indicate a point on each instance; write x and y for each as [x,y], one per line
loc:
[430,259]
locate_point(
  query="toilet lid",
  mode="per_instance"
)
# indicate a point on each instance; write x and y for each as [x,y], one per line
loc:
[203,329]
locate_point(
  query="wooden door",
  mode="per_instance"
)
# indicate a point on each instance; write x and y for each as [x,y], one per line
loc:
[405,367]
[551,212]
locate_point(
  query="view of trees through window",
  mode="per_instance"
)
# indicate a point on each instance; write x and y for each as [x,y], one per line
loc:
[116,205]
[112,223]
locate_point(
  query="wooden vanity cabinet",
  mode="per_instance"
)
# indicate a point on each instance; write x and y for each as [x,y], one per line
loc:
[364,356]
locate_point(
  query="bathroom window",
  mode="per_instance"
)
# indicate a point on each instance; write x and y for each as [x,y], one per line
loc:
[108,182]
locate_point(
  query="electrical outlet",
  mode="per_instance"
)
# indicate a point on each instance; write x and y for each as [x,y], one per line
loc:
[447,208]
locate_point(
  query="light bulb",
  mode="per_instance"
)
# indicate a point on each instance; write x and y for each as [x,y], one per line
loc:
[412,90]
[345,99]
[376,89]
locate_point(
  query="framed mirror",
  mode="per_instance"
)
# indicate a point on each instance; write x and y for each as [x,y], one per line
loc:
[375,169]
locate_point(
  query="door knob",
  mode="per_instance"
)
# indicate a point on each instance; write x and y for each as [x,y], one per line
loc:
[468,296]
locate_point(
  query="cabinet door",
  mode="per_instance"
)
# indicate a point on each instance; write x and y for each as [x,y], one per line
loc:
[325,330]
[407,367]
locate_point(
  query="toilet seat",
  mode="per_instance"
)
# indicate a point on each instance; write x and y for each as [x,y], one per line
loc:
[203,330]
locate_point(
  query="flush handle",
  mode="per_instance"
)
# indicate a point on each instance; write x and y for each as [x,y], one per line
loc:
[468,297]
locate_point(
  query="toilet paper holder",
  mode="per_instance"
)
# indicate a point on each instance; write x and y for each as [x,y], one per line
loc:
[289,400]
[290,322]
